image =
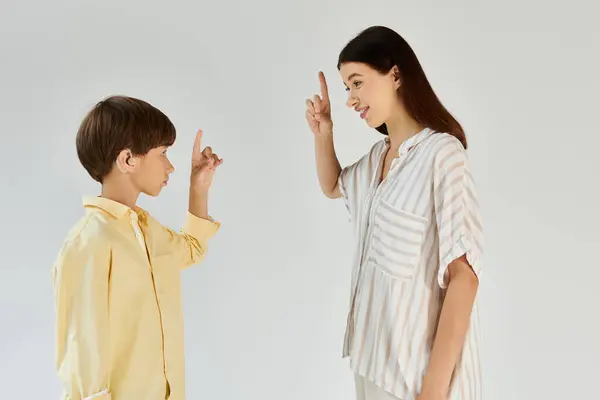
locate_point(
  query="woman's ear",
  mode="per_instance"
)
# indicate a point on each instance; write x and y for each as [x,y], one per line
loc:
[396,77]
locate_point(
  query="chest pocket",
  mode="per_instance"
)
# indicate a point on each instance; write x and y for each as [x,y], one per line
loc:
[397,241]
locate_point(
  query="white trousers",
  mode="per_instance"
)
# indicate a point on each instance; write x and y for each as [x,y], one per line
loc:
[367,390]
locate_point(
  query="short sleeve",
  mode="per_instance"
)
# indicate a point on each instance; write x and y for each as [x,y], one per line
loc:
[347,183]
[457,211]
[354,180]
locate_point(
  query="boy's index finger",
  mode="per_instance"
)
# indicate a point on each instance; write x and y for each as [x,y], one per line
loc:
[198,142]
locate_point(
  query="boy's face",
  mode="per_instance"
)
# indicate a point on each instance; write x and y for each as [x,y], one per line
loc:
[152,171]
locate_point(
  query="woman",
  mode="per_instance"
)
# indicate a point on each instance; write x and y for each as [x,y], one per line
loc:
[411,332]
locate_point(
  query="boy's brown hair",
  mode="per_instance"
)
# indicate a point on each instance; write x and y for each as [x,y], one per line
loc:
[118,123]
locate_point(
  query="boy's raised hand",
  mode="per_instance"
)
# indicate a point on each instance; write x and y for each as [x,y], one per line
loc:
[204,164]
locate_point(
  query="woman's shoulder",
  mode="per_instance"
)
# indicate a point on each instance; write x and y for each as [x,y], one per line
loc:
[367,161]
[375,150]
[441,145]
[446,141]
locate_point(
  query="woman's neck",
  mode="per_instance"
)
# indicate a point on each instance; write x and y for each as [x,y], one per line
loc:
[401,127]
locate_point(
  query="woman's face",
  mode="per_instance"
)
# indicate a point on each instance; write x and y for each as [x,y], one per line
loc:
[372,94]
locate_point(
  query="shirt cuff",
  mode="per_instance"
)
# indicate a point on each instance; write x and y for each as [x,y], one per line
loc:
[103,395]
[200,228]
[462,247]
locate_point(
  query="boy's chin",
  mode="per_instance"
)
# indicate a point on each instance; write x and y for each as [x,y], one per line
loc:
[152,192]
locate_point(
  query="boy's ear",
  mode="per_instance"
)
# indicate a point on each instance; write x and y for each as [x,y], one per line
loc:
[126,161]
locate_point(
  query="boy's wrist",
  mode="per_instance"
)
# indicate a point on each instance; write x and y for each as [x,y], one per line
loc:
[198,190]
[198,202]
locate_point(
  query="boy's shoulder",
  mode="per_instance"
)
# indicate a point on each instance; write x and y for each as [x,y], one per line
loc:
[87,239]
[90,232]
[91,225]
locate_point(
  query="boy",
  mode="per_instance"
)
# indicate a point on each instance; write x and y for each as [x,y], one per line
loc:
[119,325]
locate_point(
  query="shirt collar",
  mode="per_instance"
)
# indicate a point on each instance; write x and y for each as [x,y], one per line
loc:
[411,141]
[112,207]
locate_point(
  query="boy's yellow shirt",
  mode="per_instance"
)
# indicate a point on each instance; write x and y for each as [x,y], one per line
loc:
[117,288]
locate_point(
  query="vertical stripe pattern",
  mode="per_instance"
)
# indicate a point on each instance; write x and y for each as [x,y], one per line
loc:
[408,229]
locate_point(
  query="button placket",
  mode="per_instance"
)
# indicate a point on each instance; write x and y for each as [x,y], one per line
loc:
[364,252]
[134,219]
[138,232]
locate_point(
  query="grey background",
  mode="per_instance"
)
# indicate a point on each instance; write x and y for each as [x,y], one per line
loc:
[265,312]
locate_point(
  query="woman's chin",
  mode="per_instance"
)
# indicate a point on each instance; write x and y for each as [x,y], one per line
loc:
[371,124]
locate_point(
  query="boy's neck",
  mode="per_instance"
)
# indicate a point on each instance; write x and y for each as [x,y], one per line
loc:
[121,192]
